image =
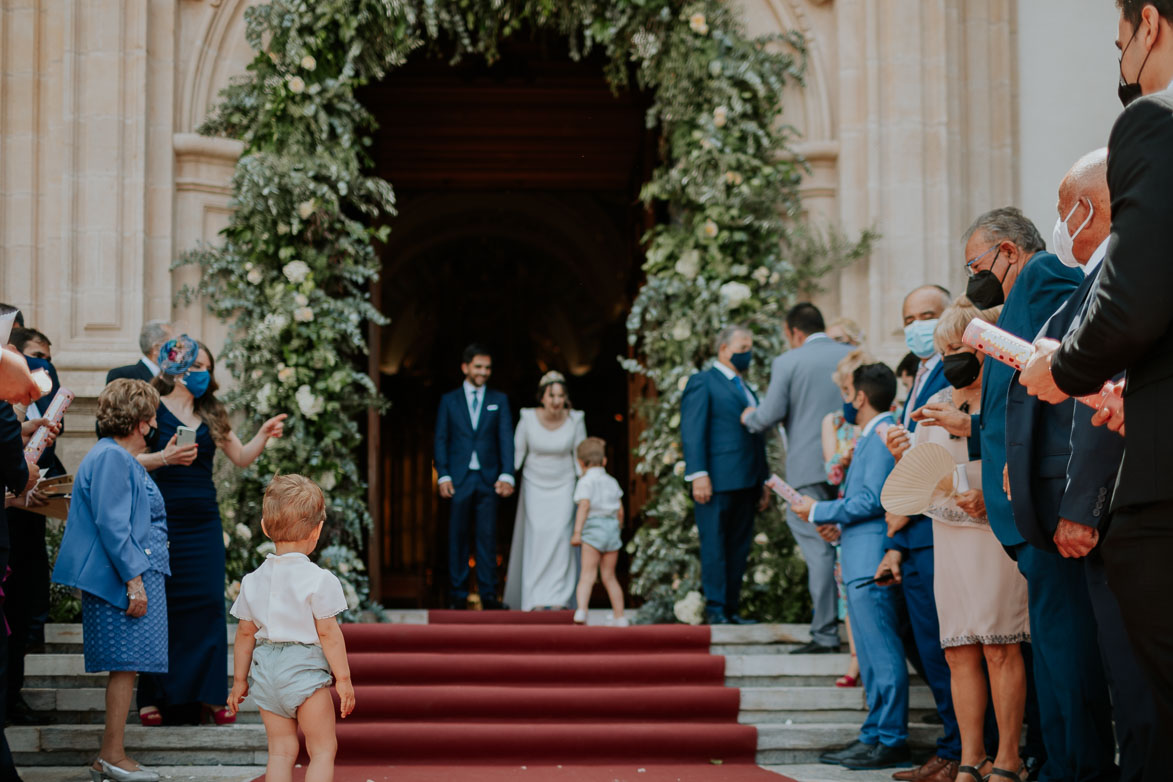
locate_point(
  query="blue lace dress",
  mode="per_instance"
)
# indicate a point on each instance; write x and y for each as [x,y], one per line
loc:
[113,641]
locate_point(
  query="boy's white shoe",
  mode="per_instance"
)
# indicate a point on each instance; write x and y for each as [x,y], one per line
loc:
[580,617]
[620,622]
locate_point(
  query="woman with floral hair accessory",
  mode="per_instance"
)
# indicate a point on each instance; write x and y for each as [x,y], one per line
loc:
[543,570]
[194,686]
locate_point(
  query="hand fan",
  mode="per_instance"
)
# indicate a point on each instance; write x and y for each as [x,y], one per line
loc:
[177,355]
[924,475]
[1004,347]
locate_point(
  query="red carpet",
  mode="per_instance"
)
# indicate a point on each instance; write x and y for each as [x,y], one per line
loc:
[512,689]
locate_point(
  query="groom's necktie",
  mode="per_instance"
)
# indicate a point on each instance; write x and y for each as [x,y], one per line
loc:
[476,405]
[740,386]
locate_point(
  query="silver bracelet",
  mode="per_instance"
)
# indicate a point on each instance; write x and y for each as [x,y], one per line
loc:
[164,455]
[139,591]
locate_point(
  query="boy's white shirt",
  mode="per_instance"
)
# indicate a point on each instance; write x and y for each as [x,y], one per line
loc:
[285,595]
[601,490]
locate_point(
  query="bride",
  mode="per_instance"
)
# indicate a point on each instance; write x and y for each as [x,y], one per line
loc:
[542,567]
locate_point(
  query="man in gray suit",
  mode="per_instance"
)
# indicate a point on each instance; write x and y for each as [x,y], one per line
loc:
[800,395]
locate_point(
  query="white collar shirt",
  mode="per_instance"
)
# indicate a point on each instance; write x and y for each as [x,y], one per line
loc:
[816,335]
[729,373]
[474,393]
[286,595]
[1096,259]
[601,490]
[922,376]
[151,365]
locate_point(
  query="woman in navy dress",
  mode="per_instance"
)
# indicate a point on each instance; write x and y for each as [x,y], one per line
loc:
[197,676]
[115,551]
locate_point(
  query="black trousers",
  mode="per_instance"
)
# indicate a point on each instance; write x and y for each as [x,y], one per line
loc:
[1138,559]
[26,591]
[7,766]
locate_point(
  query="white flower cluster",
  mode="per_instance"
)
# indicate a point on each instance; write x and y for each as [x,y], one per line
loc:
[690,609]
[308,402]
[734,294]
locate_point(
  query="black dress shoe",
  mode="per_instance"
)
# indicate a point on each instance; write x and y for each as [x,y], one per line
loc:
[879,756]
[835,757]
[933,718]
[715,616]
[735,619]
[816,648]
[493,604]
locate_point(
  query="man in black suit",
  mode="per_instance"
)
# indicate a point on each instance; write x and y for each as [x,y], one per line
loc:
[152,335]
[1129,326]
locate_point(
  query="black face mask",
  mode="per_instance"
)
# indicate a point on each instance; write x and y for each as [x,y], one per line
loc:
[961,369]
[1130,92]
[151,437]
[985,290]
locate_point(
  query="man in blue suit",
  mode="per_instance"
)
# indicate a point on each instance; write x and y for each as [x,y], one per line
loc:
[1008,264]
[726,466]
[474,459]
[910,542]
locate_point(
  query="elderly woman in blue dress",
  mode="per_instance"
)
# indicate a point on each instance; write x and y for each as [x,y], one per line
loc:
[115,552]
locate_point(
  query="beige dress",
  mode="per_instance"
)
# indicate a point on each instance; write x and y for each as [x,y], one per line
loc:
[981,596]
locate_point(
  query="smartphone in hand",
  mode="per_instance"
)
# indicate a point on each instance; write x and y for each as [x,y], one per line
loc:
[185,435]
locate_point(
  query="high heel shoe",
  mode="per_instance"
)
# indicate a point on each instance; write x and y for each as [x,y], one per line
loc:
[150,719]
[111,773]
[210,715]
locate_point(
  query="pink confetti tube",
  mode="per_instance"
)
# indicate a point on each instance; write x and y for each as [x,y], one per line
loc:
[1004,347]
[783,489]
[56,411]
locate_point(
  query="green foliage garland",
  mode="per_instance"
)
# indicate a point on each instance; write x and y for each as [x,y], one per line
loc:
[293,272]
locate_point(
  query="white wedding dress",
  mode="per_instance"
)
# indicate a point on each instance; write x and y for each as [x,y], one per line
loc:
[543,568]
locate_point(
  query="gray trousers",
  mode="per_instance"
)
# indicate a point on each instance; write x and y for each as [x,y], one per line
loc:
[820,566]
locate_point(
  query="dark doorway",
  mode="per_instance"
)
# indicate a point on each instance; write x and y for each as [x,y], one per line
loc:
[518,226]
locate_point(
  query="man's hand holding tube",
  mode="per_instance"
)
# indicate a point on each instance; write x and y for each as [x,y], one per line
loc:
[17,384]
[1039,381]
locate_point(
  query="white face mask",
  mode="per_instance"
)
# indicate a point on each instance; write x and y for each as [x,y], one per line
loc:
[1065,241]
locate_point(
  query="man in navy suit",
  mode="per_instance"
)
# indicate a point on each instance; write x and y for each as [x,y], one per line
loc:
[1062,473]
[150,338]
[909,546]
[726,466]
[474,459]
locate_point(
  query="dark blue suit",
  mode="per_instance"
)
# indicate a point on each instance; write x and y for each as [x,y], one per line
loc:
[715,442]
[1074,705]
[14,474]
[915,542]
[475,498]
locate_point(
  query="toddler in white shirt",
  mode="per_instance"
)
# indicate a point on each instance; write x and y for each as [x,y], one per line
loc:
[596,529]
[288,643]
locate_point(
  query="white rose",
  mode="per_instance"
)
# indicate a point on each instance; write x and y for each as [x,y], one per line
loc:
[720,116]
[679,468]
[711,229]
[233,590]
[286,374]
[296,85]
[698,24]
[343,568]
[273,56]
[303,314]
[305,209]
[715,68]
[266,548]
[762,275]
[689,264]
[733,178]
[761,539]
[258,373]
[309,404]
[682,383]
[227,540]
[328,481]
[734,294]
[739,270]
[309,63]
[775,278]
[282,229]
[674,421]
[264,397]
[243,532]
[296,271]
[690,608]
[255,276]
[301,300]
[681,331]
[762,575]
[351,596]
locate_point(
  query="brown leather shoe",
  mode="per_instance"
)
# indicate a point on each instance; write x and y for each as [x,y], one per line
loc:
[946,773]
[928,771]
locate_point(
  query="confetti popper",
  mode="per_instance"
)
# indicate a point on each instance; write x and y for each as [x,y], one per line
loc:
[783,489]
[1004,347]
[55,413]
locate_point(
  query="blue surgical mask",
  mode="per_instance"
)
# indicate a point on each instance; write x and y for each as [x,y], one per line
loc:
[918,336]
[850,413]
[740,361]
[197,383]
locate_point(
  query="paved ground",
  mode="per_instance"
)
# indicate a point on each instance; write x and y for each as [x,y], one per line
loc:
[809,773]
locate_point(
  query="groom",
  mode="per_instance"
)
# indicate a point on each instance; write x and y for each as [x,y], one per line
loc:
[474,459]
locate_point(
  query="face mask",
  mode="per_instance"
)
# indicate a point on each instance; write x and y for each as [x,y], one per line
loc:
[740,361]
[1125,91]
[918,336]
[985,290]
[1065,241]
[197,383]
[151,437]
[961,369]
[850,413]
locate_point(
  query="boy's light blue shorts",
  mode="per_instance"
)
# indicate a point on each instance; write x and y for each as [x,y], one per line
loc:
[284,675]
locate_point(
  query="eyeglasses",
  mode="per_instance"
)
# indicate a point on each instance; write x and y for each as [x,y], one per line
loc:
[970,264]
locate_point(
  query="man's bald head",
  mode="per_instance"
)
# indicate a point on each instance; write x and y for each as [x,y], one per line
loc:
[1083,193]
[925,303]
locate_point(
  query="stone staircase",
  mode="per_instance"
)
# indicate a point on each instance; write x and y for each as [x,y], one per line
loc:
[791,699]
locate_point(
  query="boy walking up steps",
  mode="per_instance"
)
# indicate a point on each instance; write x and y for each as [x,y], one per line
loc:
[596,529]
[288,643]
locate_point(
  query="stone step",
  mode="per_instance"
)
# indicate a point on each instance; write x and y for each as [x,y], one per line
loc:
[779,744]
[768,699]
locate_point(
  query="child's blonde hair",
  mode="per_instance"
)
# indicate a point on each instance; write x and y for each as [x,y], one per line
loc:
[592,451]
[293,508]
